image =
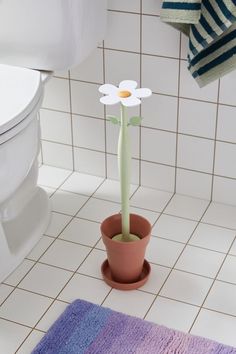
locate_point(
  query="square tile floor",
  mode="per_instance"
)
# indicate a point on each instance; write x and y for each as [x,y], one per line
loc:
[192,251]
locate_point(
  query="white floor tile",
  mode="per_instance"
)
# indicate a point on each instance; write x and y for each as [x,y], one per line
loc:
[52,176]
[82,231]
[65,254]
[163,252]
[228,270]
[40,248]
[221,215]
[156,279]
[186,287]
[200,261]
[24,307]
[222,298]
[233,249]
[110,190]
[172,314]
[83,287]
[51,315]
[187,207]
[98,210]
[174,228]
[57,224]
[134,303]
[67,202]
[5,290]
[151,199]
[215,326]
[45,280]
[148,214]
[19,273]
[82,183]
[100,245]
[31,342]
[9,342]
[212,237]
[92,264]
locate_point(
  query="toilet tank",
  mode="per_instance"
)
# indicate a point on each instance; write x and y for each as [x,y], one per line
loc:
[50,34]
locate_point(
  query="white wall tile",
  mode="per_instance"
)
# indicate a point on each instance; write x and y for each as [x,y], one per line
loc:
[157,176]
[56,95]
[152,39]
[197,118]
[224,190]
[121,66]
[88,161]
[159,111]
[225,159]
[158,146]
[112,169]
[55,126]
[189,88]
[57,155]
[226,127]
[112,135]
[125,36]
[193,183]
[160,74]
[85,99]
[195,153]
[152,7]
[91,69]
[88,133]
[124,5]
[228,89]
[184,46]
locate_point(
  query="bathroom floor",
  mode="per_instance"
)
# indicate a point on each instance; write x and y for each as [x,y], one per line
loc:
[192,252]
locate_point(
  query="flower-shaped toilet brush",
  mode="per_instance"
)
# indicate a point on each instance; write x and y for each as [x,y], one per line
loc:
[125,235]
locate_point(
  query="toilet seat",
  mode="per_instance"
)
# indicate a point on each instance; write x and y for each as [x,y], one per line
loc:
[20,94]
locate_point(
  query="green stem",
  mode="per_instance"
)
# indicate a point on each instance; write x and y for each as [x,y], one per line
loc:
[124,161]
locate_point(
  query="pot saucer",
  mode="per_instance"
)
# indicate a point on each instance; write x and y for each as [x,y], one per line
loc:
[106,272]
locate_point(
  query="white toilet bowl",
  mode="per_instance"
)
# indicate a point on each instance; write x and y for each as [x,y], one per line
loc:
[24,207]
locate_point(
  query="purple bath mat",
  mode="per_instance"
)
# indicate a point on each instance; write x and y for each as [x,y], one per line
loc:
[85,328]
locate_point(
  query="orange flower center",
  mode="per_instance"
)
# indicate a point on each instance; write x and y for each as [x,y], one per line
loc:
[124,94]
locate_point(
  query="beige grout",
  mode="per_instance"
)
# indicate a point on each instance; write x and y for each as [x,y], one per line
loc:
[215,279]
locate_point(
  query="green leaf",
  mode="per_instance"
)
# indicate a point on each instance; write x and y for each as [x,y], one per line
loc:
[135,121]
[113,119]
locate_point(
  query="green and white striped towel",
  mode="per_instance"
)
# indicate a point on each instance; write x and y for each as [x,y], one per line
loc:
[211,28]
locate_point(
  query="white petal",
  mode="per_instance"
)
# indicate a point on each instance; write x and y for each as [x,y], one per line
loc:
[128,85]
[110,99]
[130,101]
[142,92]
[108,89]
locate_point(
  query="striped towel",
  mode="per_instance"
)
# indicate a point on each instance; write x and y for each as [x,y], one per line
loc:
[211,28]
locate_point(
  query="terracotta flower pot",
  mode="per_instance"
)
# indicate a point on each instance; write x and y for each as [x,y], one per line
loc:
[126,264]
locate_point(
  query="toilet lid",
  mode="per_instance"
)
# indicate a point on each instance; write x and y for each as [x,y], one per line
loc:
[20,90]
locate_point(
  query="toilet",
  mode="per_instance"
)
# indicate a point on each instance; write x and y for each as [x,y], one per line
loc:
[28,58]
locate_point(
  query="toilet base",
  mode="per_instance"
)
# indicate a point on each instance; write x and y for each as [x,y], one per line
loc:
[19,235]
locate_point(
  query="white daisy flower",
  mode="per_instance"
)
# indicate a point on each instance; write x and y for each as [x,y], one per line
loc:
[126,93]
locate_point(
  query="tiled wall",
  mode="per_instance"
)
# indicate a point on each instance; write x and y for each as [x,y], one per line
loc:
[187,142]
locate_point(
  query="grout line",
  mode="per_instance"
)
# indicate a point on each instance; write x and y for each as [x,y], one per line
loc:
[177,121]
[215,140]
[176,261]
[214,281]
[71,123]
[105,111]
[140,106]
